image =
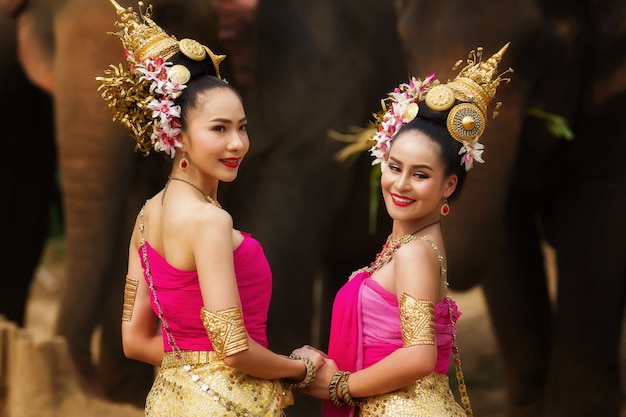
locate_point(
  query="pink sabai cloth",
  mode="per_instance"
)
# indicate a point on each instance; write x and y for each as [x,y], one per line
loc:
[365,328]
[179,294]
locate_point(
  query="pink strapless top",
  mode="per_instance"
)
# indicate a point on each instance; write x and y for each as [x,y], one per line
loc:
[365,325]
[381,325]
[179,294]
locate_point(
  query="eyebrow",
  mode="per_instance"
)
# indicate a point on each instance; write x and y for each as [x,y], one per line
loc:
[221,120]
[412,166]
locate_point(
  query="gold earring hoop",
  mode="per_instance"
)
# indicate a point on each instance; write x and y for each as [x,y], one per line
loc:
[445,208]
[183,163]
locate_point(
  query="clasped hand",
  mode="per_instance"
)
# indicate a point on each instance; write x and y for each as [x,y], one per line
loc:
[325,367]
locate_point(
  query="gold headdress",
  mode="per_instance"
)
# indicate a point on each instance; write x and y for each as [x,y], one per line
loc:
[474,88]
[159,67]
[464,99]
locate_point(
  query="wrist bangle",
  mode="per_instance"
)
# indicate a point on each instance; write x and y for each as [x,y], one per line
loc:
[310,372]
[332,388]
[345,391]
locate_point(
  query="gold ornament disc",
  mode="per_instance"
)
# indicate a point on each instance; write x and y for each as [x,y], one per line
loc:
[440,98]
[466,123]
[411,111]
[192,49]
[179,74]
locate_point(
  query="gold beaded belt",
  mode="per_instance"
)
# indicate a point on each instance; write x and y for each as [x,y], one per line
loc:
[174,359]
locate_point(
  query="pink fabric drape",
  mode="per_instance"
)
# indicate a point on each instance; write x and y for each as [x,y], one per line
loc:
[179,295]
[360,337]
[345,336]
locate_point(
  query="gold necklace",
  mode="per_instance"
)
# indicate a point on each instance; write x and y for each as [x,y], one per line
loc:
[392,245]
[208,197]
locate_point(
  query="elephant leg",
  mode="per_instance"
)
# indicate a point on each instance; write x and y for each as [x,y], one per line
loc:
[31,188]
[588,229]
[584,376]
[519,307]
[96,162]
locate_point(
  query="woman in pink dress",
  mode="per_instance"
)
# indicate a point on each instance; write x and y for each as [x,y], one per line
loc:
[197,290]
[393,324]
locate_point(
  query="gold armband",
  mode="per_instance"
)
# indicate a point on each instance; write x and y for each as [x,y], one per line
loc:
[417,321]
[226,330]
[130,291]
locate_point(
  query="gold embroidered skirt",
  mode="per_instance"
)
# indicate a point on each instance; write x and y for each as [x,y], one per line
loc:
[212,388]
[428,396]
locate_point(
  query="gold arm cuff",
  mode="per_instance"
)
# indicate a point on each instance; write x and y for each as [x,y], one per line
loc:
[417,321]
[130,292]
[226,330]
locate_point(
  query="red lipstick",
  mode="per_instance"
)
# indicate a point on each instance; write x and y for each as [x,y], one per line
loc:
[401,201]
[230,162]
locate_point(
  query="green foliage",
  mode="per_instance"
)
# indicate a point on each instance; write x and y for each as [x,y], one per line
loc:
[556,125]
[55,225]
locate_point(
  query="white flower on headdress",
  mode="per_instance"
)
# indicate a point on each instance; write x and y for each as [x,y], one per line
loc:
[166,115]
[399,108]
[473,152]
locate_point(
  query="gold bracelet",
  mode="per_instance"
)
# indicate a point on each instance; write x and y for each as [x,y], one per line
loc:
[417,321]
[345,391]
[332,387]
[226,330]
[130,292]
[310,372]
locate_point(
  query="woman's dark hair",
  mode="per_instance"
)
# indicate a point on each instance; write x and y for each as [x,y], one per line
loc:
[190,96]
[433,126]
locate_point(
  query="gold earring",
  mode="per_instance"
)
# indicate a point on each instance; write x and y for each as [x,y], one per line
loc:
[445,208]
[183,163]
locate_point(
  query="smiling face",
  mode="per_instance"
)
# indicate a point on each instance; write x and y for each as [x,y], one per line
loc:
[414,183]
[215,137]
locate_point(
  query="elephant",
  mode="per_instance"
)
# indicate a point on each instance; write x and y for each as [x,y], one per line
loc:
[560,353]
[32,196]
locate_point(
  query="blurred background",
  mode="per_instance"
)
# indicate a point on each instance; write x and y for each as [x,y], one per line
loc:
[535,242]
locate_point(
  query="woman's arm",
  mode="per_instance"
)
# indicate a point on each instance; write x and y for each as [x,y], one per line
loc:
[141,339]
[213,249]
[416,273]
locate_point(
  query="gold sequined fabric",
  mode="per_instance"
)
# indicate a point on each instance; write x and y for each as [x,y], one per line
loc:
[428,396]
[229,393]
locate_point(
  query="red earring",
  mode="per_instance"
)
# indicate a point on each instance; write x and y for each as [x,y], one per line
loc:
[445,208]
[183,163]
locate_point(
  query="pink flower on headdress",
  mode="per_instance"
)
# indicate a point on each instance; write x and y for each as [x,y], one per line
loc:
[166,115]
[164,109]
[399,108]
[473,152]
[165,141]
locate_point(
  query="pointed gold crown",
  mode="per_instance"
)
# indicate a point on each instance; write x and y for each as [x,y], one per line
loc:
[158,68]
[467,97]
[143,38]
[476,83]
